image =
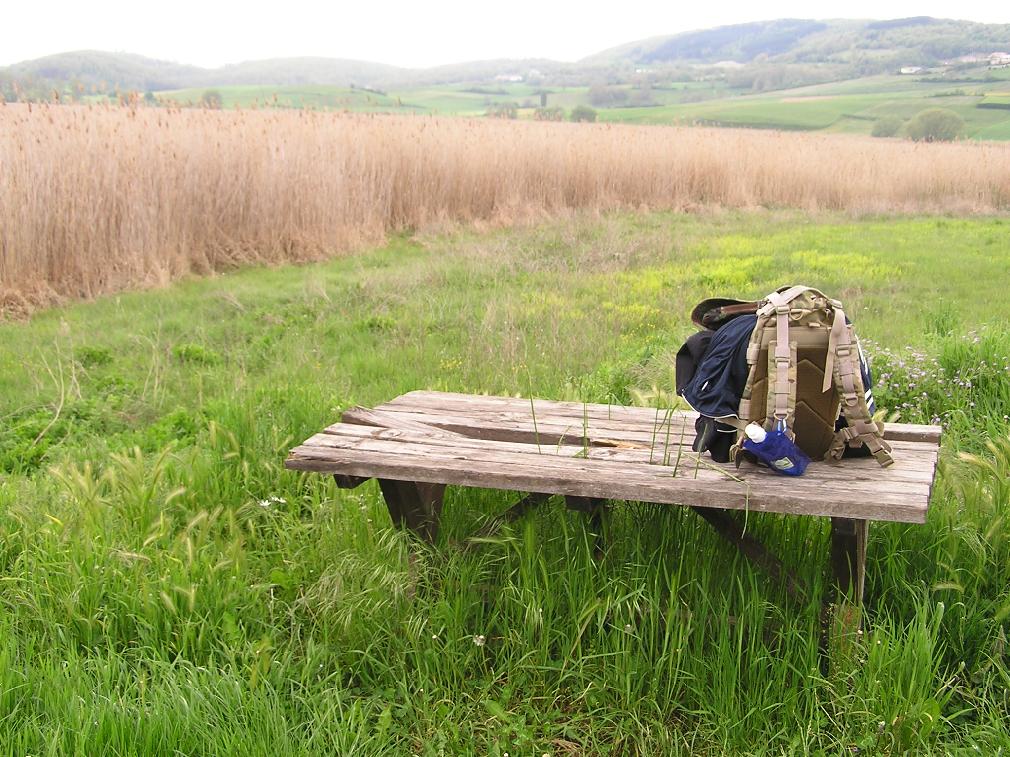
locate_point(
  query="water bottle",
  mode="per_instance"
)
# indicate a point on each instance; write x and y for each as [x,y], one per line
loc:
[775,449]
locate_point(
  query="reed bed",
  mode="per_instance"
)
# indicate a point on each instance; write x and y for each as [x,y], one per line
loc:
[100,199]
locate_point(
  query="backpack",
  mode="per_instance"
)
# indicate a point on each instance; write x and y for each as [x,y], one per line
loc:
[791,360]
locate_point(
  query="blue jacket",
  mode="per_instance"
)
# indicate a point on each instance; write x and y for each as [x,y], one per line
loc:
[720,375]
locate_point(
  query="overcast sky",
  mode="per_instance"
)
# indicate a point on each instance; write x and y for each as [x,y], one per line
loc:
[413,33]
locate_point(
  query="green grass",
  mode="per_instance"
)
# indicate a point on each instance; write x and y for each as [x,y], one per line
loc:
[320,97]
[168,588]
[853,113]
[846,106]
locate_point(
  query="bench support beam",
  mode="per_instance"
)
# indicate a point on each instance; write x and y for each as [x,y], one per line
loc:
[843,619]
[344,481]
[730,529]
[596,508]
[415,506]
[848,558]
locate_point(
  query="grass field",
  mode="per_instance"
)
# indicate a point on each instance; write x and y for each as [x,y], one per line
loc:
[301,96]
[849,106]
[168,588]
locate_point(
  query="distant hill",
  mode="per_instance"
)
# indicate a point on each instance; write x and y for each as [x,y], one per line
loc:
[777,53]
[868,46]
[97,69]
[104,71]
[287,71]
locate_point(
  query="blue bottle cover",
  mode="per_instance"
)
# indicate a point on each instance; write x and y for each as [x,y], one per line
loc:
[775,449]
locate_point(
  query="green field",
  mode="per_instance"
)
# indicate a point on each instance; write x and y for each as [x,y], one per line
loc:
[168,588]
[851,106]
[302,96]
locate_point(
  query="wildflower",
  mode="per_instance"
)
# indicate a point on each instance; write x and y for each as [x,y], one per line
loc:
[479,639]
[266,503]
[627,627]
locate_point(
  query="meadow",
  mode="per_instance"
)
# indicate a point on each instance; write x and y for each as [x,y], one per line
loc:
[168,588]
[95,200]
[848,106]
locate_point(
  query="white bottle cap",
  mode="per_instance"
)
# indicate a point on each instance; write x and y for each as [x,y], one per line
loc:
[755,433]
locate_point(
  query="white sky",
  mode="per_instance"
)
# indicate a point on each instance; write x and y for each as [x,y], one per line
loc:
[413,33]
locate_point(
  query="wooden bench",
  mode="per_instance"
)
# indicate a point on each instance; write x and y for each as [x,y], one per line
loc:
[589,453]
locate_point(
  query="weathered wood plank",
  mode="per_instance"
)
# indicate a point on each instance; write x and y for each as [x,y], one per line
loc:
[915,466]
[451,401]
[605,479]
[754,480]
[505,427]
[494,423]
[825,480]
[362,416]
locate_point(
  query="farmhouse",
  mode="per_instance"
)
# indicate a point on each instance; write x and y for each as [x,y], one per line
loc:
[999,60]
[911,69]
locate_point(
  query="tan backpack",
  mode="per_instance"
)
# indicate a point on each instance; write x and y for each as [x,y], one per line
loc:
[803,367]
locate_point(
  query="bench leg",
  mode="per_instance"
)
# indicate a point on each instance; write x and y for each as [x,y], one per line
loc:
[414,505]
[348,482]
[596,508]
[844,618]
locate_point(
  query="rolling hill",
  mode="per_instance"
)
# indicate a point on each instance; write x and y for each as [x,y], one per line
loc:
[106,71]
[815,50]
[866,46]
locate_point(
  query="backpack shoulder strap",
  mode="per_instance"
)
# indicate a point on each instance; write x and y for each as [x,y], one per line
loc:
[778,305]
[849,383]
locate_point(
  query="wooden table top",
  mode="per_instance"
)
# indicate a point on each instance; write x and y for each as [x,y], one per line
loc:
[609,452]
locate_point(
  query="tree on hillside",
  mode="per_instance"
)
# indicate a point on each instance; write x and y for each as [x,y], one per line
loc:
[503,110]
[212,99]
[583,113]
[555,113]
[935,125]
[604,95]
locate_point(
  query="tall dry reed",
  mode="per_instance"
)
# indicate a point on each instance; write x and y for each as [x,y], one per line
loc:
[95,200]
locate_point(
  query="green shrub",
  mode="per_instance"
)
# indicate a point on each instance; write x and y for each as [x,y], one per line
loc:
[935,125]
[91,357]
[583,113]
[555,113]
[212,99]
[503,110]
[195,353]
[888,126]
